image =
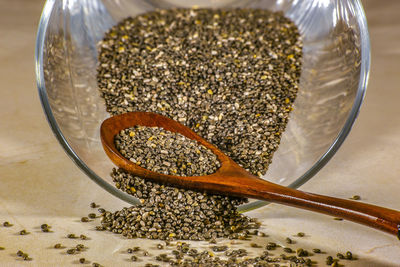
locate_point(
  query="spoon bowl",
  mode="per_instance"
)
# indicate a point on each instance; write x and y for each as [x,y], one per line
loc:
[231,179]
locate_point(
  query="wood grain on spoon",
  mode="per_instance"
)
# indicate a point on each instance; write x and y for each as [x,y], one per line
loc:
[231,179]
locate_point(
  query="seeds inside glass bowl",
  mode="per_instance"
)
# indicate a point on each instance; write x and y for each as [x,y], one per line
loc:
[166,152]
[231,75]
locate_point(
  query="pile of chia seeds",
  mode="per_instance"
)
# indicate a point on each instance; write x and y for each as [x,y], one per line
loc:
[165,152]
[169,213]
[231,75]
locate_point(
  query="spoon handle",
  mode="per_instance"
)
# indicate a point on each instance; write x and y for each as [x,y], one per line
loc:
[384,219]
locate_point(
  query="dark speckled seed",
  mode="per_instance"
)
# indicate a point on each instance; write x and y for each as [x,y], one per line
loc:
[349,255]
[24,232]
[317,250]
[7,224]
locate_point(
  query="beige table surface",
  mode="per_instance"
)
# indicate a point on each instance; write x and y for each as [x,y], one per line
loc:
[40,184]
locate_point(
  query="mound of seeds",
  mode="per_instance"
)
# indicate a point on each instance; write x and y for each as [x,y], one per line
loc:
[165,152]
[231,75]
[170,213]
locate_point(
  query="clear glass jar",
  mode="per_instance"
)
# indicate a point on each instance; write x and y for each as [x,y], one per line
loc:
[335,67]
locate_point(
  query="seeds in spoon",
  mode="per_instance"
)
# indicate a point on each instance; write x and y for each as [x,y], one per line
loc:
[165,152]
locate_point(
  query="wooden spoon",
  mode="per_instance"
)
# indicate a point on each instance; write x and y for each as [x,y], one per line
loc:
[231,179]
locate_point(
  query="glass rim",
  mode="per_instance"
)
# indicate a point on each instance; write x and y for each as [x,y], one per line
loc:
[317,166]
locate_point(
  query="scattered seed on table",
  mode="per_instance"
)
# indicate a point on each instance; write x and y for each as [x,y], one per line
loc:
[302,253]
[99,228]
[93,205]
[338,219]
[84,219]
[160,246]
[58,245]
[101,210]
[45,228]
[7,224]
[82,260]
[24,232]
[329,260]
[300,234]
[349,255]
[340,256]
[71,236]
[356,197]
[20,253]
[92,215]
[316,250]
[83,237]
[134,258]
[2,248]
[289,241]
[262,234]
[254,245]
[71,251]
[95,264]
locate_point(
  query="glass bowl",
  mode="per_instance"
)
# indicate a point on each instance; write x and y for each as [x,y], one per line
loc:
[335,67]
